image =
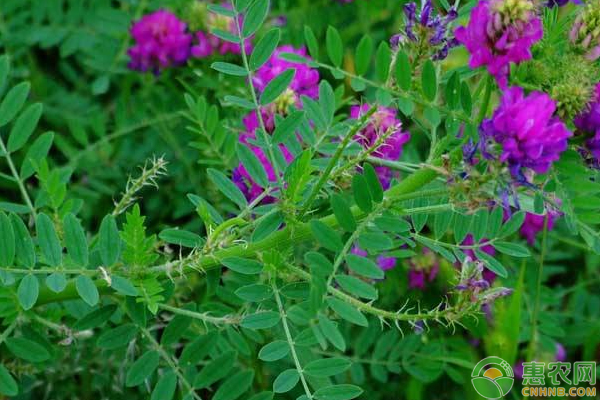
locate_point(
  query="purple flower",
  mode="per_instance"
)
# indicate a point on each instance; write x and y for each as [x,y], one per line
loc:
[161,41]
[383,122]
[385,263]
[500,32]
[432,30]
[422,268]
[306,79]
[526,132]
[534,223]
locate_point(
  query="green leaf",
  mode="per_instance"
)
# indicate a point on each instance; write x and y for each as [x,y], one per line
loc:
[181,237]
[175,329]
[365,267]
[403,70]
[109,242]
[260,320]
[123,285]
[12,102]
[465,98]
[57,282]
[338,392]
[142,368]
[364,52]
[512,249]
[361,192]
[262,396]
[327,367]
[286,381]
[229,69]
[274,351]
[243,265]
[36,152]
[267,225]
[264,48]
[27,350]
[356,286]
[254,17]
[252,165]
[327,101]
[23,127]
[318,263]
[117,337]
[286,128]
[4,70]
[462,225]
[7,241]
[95,318]
[429,80]
[8,386]
[24,250]
[227,187]
[347,312]
[277,86]
[513,224]
[48,240]
[256,292]
[87,289]
[215,370]
[373,182]
[335,48]
[495,222]
[452,93]
[331,332]
[383,59]
[480,224]
[165,387]
[326,236]
[441,222]
[234,386]
[311,42]
[28,291]
[491,263]
[198,349]
[75,240]
[342,212]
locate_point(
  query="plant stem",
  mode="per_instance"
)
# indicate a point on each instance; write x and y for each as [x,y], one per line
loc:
[290,340]
[17,178]
[538,290]
[486,99]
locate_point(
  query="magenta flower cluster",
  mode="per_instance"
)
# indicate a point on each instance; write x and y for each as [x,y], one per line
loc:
[162,41]
[304,83]
[498,33]
[530,137]
[383,122]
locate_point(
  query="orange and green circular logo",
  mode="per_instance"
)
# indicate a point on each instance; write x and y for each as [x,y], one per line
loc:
[492,378]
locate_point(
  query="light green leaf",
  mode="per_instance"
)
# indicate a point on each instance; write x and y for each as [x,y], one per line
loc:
[75,240]
[28,291]
[12,102]
[286,381]
[48,240]
[87,289]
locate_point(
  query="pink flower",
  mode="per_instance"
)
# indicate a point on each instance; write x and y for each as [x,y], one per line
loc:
[498,33]
[161,41]
[422,269]
[534,223]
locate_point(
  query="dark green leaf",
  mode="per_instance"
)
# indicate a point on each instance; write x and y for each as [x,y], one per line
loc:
[28,291]
[335,49]
[347,312]
[326,236]
[274,351]
[356,286]
[8,386]
[383,59]
[286,128]
[117,337]
[229,69]
[264,48]
[7,241]
[254,17]
[363,266]
[286,381]
[87,289]
[338,392]
[165,387]
[123,285]
[342,212]
[12,102]
[48,240]
[23,127]
[234,386]
[260,320]
[215,370]
[361,192]
[227,187]
[243,265]
[403,71]
[364,52]
[252,165]
[142,368]
[75,240]
[429,80]
[109,242]
[27,350]
[277,86]
[327,367]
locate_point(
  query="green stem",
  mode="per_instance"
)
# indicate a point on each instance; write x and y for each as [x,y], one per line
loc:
[538,291]
[334,160]
[17,178]
[227,320]
[290,340]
